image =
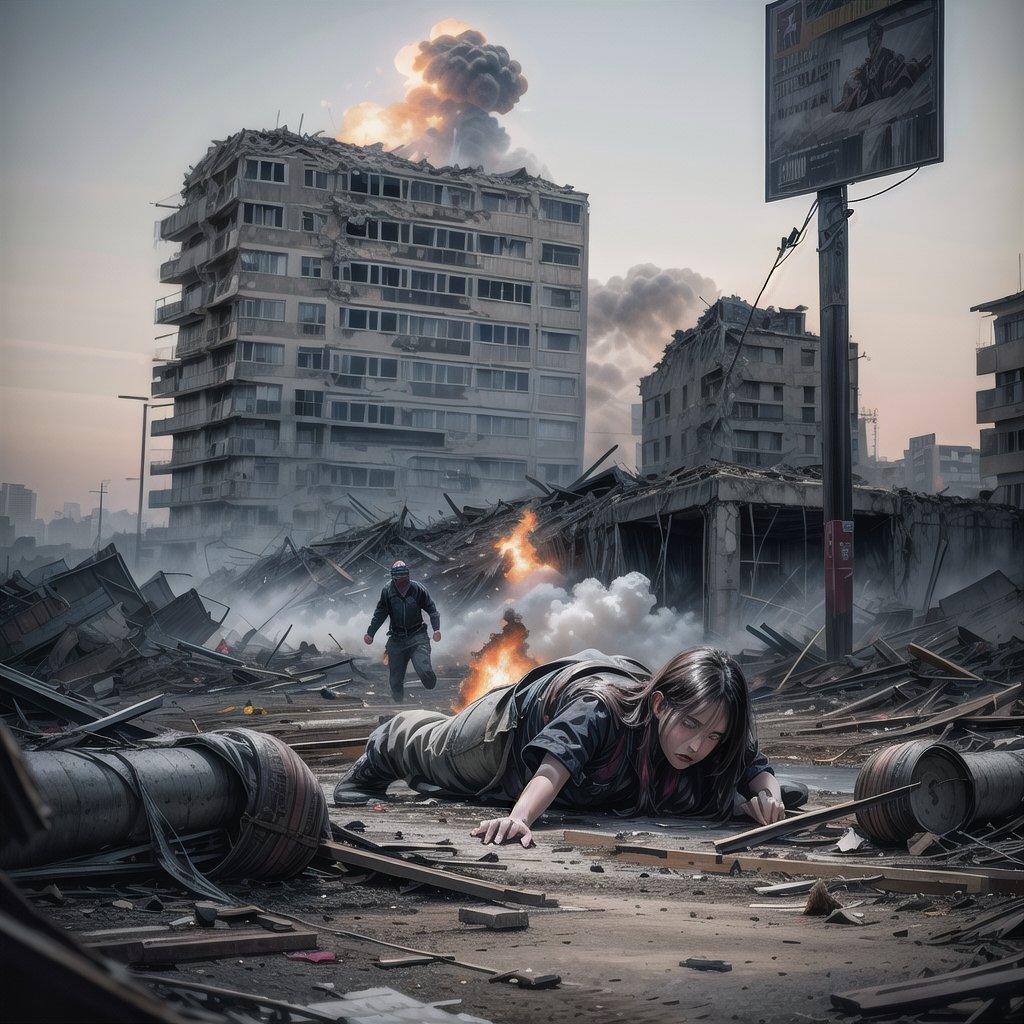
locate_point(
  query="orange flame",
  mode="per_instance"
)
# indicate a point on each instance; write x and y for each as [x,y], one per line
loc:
[521,553]
[501,661]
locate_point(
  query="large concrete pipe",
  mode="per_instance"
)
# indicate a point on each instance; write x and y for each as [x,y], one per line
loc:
[251,785]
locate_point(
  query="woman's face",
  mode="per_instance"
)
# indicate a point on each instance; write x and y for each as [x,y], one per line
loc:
[687,738]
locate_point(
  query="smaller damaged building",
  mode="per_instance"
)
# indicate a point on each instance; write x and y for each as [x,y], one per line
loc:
[743,386]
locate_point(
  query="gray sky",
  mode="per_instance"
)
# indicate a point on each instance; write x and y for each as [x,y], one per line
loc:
[656,109]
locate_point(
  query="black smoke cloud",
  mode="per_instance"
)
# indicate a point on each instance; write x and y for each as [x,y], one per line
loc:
[630,320]
[450,119]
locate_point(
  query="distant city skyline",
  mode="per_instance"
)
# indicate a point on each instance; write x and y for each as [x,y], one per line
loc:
[654,109]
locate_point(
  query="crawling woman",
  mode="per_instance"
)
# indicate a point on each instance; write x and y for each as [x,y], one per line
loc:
[587,733]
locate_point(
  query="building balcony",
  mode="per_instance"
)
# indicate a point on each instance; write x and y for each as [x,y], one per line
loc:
[999,358]
[1001,403]
[221,490]
[180,422]
[223,197]
[184,264]
[181,222]
[1001,465]
[183,306]
[491,355]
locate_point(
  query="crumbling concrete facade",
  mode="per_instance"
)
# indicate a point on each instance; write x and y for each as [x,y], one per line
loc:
[743,386]
[1002,445]
[733,546]
[357,331]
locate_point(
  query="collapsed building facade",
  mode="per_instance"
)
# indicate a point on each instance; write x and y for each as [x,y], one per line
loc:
[354,324]
[1002,444]
[743,386]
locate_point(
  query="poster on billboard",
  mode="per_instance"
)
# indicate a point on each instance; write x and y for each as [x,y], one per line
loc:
[853,90]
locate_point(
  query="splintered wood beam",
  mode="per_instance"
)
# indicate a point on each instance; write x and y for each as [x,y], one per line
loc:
[947,666]
[230,942]
[994,979]
[786,827]
[399,868]
[935,881]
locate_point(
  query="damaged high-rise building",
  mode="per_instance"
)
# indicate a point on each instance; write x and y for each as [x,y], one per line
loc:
[1002,444]
[359,331]
[743,386]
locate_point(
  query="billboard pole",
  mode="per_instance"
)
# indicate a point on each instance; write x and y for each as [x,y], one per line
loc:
[836,459]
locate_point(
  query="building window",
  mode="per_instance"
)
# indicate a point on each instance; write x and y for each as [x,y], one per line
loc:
[502,426]
[261,352]
[807,414]
[261,309]
[807,357]
[564,387]
[312,317]
[502,334]
[363,412]
[502,380]
[555,209]
[501,202]
[440,373]
[503,291]
[556,341]
[557,430]
[376,184]
[263,215]
[761,440]
[668,402]
[312,266]
[668,447]
[809,440]
[440,195]
[503,245]
[265,170]
[655,451]
[352,370]
[310,359]
[500,469]
[562,298]
[765,354]
[312,178]
[437,419]
[313,222]
[563,255]
[808,395]
[309,403]
[262,399]
[253,261]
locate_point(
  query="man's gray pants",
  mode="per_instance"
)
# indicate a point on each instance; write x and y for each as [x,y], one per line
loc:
[402,650]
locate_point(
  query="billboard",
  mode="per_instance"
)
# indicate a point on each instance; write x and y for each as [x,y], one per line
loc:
[853,90]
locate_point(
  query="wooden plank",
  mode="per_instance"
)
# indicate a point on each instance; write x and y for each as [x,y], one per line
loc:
[763,833]
[947,666]
[893,879]
[207,946]
[996,978]
[399,868]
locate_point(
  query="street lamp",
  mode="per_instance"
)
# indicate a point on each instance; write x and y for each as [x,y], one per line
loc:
[142,471]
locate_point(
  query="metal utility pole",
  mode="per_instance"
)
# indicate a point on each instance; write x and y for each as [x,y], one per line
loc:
[142,476]
[836,458]
[99,530]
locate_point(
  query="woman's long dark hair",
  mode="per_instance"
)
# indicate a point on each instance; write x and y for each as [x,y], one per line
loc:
[692,681]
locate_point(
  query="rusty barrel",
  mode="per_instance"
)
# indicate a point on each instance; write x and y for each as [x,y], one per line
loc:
[997,781]
[943,801]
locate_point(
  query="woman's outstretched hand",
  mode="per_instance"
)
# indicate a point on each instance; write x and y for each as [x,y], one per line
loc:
[503,830]
[764,807]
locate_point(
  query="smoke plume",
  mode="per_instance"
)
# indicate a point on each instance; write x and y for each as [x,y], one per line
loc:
[630,321]
[456,83]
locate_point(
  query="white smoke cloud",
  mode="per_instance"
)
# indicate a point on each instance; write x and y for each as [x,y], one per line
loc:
[617,619]
[630,321]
